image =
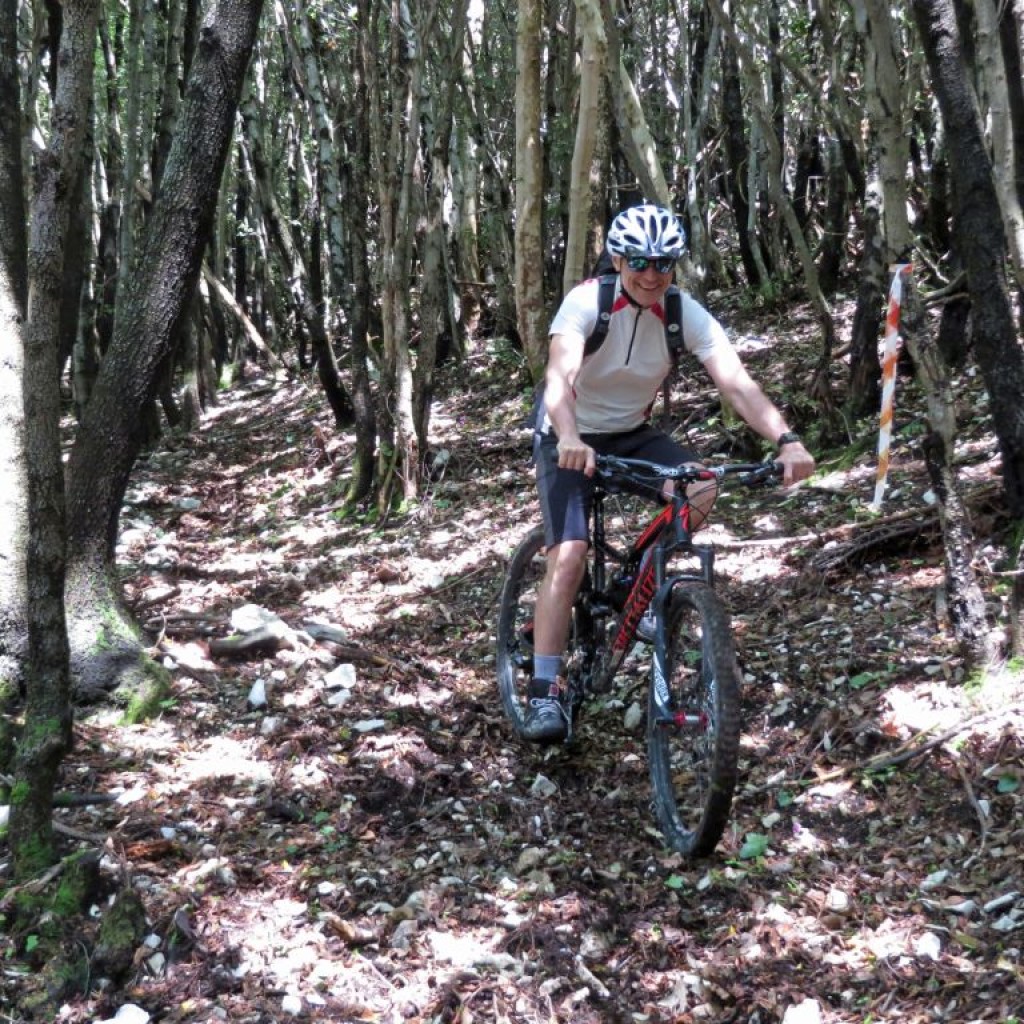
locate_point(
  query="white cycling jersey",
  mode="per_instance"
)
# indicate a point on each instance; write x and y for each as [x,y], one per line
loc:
[618,383]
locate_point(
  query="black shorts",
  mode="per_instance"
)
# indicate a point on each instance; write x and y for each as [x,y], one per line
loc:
[565,494]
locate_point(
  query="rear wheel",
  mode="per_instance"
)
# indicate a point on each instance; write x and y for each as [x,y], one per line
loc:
[514,654]
[694,752]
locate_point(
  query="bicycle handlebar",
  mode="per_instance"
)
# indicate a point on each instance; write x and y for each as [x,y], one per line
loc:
[613,467]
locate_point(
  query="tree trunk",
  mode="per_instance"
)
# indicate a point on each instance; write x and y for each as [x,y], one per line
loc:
[47,733]
[592,65]
[13,456]
[438,105]
[980,238]
[966,599]
[635,135]
[152,302]
[296,269]
[529,227]
[737,165]
[864,376]
[1006,160]
[884,96]
[358,170]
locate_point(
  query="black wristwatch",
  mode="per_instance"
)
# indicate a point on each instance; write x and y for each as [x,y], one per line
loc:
[789,437]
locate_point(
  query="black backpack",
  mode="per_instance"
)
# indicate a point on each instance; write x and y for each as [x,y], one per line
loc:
[673,303]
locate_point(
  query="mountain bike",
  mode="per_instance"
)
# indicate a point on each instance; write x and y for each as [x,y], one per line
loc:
[693,705]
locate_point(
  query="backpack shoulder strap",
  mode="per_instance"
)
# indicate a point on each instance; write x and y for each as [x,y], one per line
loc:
[605,298]
[674,322]
[673,303]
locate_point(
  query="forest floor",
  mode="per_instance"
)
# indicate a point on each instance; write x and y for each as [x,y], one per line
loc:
[344,828]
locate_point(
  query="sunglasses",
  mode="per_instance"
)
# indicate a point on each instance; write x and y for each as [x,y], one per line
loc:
[662,264]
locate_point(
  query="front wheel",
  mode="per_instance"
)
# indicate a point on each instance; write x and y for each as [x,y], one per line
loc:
[693,743]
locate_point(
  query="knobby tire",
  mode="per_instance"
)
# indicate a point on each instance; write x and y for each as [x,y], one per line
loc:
[514,656]
[694,767]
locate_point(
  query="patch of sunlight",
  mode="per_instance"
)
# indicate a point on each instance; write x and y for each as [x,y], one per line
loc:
[307,533]
[220,757]
[921,710]
[246,562]
[463,950]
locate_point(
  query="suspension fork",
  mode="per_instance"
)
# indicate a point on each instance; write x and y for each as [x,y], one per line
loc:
[667,713]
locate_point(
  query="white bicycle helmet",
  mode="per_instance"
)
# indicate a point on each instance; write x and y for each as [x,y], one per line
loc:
[646,230]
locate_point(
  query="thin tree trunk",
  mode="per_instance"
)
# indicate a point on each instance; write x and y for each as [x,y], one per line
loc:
[294,262]
[966,599]
[1000,116]
[529,227]
[592,78]
[738,158]
[152,303]
[439,105]
[635,134]
[980,238]
[47,733]
[13,455]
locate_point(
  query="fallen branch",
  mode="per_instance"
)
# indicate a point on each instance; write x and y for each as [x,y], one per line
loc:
[906,752]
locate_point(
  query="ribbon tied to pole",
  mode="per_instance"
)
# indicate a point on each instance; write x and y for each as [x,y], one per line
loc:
[890,356]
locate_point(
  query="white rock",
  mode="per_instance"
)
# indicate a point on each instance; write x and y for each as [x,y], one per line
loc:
[292,1004]
[128,1014]
[807,1012]
[370,725]
[342,677]
[928,946]
[543,787]
[250,617]
[1001,901]
[837,901]
[258,694]
[934,880]
[633,717]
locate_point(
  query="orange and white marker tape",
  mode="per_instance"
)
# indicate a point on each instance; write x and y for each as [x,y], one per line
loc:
[890,355]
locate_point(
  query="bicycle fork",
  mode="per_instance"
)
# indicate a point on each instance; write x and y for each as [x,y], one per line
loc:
[668,714]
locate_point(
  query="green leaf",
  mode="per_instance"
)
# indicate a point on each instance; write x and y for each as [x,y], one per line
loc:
[31,942]
[675,882]
[785,798]
[756,845]
[1008,784]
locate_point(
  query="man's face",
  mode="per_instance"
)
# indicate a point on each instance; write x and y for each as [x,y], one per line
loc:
[646,287]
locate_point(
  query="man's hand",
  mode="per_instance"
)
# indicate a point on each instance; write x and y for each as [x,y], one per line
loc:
[574,453]
[797,463]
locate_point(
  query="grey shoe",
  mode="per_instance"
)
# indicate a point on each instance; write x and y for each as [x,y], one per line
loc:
[646,628]
[546,719]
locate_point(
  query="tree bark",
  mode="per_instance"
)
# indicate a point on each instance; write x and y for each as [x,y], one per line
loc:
[152,302]
[592,66]
[529,229]
[47,732]
[966,599]
[980,238]
[13,457]
[635,134]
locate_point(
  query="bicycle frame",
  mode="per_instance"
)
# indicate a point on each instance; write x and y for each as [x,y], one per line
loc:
[647,560]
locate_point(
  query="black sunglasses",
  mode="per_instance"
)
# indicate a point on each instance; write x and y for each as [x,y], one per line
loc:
[662,264]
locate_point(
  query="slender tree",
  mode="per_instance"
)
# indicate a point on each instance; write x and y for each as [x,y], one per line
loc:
[152,303]
[980,238]
[529,242]
[47,733]
[13,461]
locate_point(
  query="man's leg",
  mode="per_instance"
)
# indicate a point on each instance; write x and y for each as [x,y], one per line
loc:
[547,719]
